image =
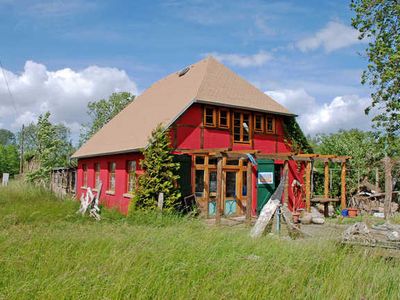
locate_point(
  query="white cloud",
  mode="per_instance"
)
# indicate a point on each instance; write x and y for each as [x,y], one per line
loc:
[243,61]
[65,93]
[333,36]
[342,112]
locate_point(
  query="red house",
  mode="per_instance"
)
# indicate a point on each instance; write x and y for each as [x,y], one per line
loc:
[209,110]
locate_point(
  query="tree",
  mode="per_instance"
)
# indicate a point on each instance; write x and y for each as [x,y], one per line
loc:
[6,137]
[366,153]
[9,156]
[9,159]
[160,173]
[50,149]
[379,22]
[103,111]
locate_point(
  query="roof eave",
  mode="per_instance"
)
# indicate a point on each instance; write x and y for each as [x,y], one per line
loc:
[243,107]
[107,153]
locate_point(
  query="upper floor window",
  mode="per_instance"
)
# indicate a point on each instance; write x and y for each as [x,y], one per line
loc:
[223,121]
[84,174]
[96,174]
[131,170]
[111,176]
[241,127]
[210,116]
[258,123]
[270,124]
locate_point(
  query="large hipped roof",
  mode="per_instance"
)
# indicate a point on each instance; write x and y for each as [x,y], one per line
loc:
[207,81]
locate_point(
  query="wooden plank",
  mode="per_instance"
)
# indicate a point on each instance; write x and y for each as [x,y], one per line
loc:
[219,192]
[343,185]
[249,192]
[265,216]
[388,187]
[286,188]
[308,186]
[326,180]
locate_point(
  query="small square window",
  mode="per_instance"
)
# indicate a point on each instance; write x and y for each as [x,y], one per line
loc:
[199,160]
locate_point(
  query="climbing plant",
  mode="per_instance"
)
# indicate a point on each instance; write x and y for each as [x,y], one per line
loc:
[294,136]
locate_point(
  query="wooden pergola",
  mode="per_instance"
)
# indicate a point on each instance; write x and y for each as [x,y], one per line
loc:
[223,155]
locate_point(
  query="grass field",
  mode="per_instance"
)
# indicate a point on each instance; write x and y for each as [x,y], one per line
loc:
[49,252]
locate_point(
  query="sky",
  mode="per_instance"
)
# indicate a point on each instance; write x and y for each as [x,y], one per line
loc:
[58,55]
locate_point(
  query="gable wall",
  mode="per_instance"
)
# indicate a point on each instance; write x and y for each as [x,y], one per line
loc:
[188,133]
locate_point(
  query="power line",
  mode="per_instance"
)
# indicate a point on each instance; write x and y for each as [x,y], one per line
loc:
[8,88]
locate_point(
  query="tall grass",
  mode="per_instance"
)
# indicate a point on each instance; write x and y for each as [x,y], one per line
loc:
[49,252]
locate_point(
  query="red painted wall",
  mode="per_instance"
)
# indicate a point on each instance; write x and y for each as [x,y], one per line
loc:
[117,200]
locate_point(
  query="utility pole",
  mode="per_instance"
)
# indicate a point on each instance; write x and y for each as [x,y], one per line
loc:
[21,161]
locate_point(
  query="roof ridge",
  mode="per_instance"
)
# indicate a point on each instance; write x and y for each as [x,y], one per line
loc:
[204,75]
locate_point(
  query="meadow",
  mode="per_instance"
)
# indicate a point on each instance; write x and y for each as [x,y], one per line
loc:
[47,251]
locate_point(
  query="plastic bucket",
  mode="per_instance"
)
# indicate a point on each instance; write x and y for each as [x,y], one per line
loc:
[345,213]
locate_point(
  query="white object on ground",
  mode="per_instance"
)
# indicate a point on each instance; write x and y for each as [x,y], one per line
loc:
[265,216]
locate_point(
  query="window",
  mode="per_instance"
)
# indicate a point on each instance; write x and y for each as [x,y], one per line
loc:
[241,127]
[84,179]
[223,120]
[111,176]
[131,170]
[210,117]
[270,123]
[199,183]
[96,175]
[258,123]
[199,160]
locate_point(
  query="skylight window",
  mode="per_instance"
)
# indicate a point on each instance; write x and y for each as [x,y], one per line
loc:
[184,71]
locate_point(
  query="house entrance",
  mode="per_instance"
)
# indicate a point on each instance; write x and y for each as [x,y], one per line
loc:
[233,185]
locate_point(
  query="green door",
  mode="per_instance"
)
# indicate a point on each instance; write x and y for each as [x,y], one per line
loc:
[265,182]
[184,172]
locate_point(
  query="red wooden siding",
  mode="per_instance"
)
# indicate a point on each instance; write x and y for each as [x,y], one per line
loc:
[116,200]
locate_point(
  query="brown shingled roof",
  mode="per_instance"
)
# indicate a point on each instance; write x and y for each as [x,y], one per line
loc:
[207,81]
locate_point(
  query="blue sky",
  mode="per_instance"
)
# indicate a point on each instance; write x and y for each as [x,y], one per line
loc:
[62,54]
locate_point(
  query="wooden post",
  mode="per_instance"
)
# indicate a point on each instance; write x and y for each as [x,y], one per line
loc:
[326,179]
[286,188]
[21,160]
[249,192]
[219,192]
[343,184]
[388,187]
[377,179]
[308,186]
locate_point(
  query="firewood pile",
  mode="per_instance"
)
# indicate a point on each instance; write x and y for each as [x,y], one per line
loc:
[385,235]
[370,200]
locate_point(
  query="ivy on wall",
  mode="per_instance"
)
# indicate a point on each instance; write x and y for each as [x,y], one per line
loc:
[294,136]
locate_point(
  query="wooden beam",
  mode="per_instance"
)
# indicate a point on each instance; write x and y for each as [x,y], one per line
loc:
[308,186]
[249,192]
[343,184]
[286,188]
[326,180]
[388,187]
[219,192]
